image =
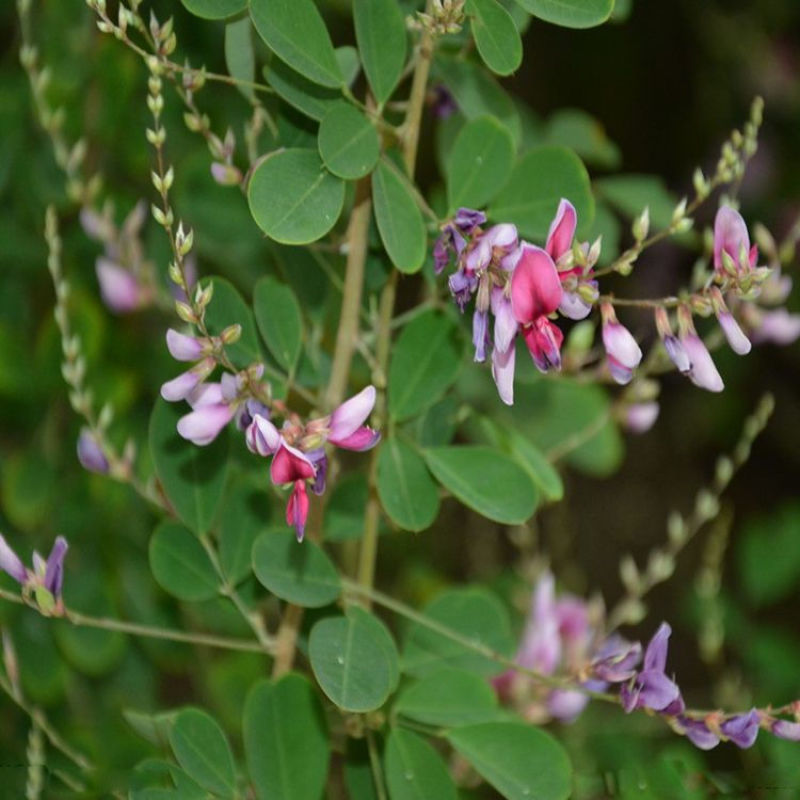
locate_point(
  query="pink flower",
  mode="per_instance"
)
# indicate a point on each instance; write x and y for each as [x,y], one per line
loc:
[181,387]
[562,230]
[731,238]
[778,327]
[90,454]
[703,371]
[738,342]
[118,287]
[640,417]
[623,354]
[186,348]
[536,293]
[297,509]
[11,564]
[205,423]
[346,427]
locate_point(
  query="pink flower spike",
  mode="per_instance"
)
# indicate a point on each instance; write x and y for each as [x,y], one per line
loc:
[184,348]
[297,509]
[562,230]
[535,286]
[262,437]
[204,424]
[730,236]
[704,372]
[290,465]
[11,564]
[363,439]
[119,288]
[503,372]
[350,415]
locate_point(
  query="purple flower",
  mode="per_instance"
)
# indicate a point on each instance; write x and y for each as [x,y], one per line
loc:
[468,219]
[211,412]
[698,733]
[623,354]
[444,104]
[651,688]
[480,334]
[90,454]
[11,564]
[731,239]
[673,346]
[778,327]
[54,568]
[503,372]
[742,729]
[703,372]
[784,729]
[738,342]
[640,417]
[617,659]
[186,348]
[181,387]
[346,427]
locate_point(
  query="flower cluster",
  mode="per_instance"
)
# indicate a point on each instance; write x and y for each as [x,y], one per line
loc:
[525,288]
[564,637]
[297,448]
[44,580]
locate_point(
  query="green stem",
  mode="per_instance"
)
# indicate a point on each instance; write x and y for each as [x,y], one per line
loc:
[375,764]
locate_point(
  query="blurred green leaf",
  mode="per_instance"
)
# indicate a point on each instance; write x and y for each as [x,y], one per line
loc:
[280,321]
[426,359]
[631,194]
[581,132]
[398,218]
[299,572]
[215,9]
[295,31]
[407,492]
[239,56]
[180,564]
[538,181]
[414,770]
[203,751]
[381,37]
[521,761]
[476,616]
[496,36]
[192,477]
[285,740]
[348,142]
[485,480]
[351,660]
[479,162]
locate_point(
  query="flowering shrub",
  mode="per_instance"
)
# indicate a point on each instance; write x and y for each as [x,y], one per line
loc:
[246,610]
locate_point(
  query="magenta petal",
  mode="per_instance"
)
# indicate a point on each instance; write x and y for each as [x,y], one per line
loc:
[297,509]
[544,343]
[362,439]
[203,425]
[562,230]
[11,564]
[182,347]
[730,235]
[535,286]
[350,415]
[290,465]
[503,373]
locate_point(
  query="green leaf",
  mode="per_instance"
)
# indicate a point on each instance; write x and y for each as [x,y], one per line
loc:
[349,63]
[180,564]
[449,697]
[473,614]
[581,132]
[406,490]
[192,477]
[239,56]
[767,578]
[381,37]
[344,511]
[279,320]
[293,198]
[201,748]
[485,480]
[214,9]
[570,13]
[226,308]
[538,181]
[399,218]
[496,36]
[426,359]
[351,660]
[310,98]
[299,572]
[348,142]
[479,163]
[521,761]
[478,93]
[630,194]
[245,513]
[295,31]
[414,770]
[285,740]
[527,455]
